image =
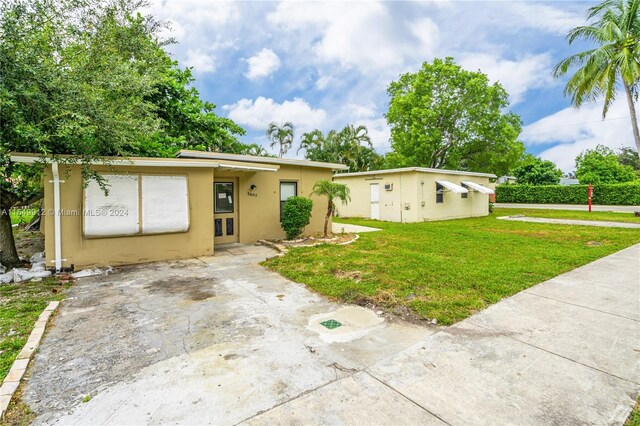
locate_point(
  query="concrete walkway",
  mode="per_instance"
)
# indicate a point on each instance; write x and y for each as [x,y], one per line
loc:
[600,223]
[338,228]
[598,208]
[566,352]
[221,340]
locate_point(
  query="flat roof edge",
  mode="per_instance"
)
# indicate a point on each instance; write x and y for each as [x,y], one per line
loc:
[415,169]
[28,158]
[256,159]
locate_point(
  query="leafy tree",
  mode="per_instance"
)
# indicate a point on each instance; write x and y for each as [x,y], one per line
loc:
[445,117]
[600,165]
[615,28]
[538,172]
[186,121]
[331,190]
[628,156]
[350,146]
[282,136]
[89,79]
[296,214]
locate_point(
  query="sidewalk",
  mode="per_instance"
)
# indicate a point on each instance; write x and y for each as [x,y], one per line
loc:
[600,223]
[566,351]
[595,208]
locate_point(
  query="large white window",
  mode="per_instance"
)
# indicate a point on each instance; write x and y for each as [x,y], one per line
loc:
[136,204]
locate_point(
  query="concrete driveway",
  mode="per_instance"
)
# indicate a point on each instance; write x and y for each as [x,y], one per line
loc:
[211,340]
[222,340]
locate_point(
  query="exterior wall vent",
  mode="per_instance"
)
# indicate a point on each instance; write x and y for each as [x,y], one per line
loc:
[388,187]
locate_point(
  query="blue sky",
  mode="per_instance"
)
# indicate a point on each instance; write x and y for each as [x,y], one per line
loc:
[327,64]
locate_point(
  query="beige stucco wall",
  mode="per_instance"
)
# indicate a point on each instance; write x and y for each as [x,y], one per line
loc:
[397,205]
[84,252]
[404,203]
[259,216]
[453,205]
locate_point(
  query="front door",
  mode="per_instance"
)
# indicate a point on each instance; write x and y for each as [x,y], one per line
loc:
[225,211]
[375,201]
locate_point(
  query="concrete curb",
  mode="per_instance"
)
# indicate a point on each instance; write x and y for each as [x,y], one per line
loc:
[12,381]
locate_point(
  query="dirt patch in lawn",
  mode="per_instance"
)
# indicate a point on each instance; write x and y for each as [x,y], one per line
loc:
[28,243]
[347,275]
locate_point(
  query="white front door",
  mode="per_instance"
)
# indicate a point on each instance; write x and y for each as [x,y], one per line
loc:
[375,201]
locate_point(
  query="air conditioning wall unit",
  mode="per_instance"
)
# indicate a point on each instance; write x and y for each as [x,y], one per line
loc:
[388,187]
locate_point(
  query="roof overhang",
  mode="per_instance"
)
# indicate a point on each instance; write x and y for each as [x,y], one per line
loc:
[219,156]
[478,187]
[453,187]
[147,162]
[415,169]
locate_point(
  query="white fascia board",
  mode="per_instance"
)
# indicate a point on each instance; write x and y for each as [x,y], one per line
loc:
[143,162]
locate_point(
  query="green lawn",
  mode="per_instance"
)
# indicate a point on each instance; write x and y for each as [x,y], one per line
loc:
[450,269]
[570,214]
[20,306]
[634,417]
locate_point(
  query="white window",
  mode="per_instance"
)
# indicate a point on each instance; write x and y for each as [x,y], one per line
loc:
[136,204]
[287,190]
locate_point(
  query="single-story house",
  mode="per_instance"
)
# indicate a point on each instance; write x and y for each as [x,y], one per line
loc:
[169,208]
[416,194]
[507,179]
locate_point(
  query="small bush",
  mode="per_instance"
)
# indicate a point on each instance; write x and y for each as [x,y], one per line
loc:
[616,194]
[296,214]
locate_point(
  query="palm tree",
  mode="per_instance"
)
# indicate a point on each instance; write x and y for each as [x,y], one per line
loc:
[311,140]
[255,150]
[615,28]
[331,190]
[281,135]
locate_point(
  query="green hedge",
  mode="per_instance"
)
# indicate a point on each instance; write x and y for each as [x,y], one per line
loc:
[619,194]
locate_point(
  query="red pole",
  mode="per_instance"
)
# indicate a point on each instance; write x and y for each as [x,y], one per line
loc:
[590,195]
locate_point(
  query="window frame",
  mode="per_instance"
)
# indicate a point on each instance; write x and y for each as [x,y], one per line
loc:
[295,183]
[215,196]
[439,194]
[464,194]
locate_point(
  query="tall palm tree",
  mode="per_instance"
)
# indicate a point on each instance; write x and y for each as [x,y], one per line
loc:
[281,136]
[614,25]
[331,190]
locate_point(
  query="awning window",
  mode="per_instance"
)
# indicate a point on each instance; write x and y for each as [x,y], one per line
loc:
[452,187]
[478,187]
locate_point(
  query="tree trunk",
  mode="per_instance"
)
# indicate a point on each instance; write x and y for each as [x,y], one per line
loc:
[326,219]
[634,118]
[8,253]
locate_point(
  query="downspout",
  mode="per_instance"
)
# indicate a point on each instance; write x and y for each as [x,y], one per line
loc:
[56,218]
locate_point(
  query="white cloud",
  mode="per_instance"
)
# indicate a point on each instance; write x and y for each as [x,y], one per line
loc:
[262,64]
[574,130]
[200,61]
[544,17]
[258,113]
[355,35]
[516,76]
